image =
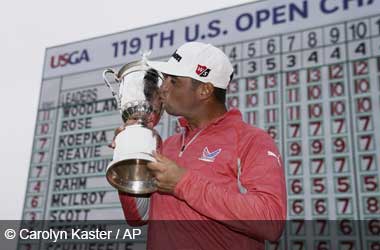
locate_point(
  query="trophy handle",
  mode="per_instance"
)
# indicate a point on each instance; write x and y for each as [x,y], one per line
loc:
[114,94]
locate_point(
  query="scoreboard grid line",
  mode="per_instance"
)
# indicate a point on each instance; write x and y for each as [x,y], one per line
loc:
[50,173]
[354,169]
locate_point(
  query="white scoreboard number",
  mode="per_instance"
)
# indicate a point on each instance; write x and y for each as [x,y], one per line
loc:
[308,72]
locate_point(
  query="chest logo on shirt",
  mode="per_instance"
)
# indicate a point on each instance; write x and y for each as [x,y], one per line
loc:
[209,156]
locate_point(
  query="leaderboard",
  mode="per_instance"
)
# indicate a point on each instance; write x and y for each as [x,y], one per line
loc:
[307,72]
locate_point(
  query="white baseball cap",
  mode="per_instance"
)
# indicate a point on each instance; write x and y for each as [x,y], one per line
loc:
[199,61]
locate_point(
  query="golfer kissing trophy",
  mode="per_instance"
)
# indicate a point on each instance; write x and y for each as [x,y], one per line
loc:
[141,109]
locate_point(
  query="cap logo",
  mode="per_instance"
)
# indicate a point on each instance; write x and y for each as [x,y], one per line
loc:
[202,70]
[177,57]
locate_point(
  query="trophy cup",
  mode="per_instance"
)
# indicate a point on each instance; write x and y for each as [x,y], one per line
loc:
[141,109]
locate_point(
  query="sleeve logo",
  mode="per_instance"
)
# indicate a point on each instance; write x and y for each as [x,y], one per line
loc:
[177,57]
[270,153]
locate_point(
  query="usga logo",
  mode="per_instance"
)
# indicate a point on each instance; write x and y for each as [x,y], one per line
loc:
[74,57]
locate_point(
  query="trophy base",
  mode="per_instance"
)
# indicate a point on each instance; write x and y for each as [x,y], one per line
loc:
[131,176]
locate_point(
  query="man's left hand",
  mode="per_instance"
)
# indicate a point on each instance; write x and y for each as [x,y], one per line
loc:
[166,173]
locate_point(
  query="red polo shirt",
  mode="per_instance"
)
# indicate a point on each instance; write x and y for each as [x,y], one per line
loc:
[233,195]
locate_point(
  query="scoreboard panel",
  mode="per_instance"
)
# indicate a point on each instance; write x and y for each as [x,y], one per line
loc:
[307,72]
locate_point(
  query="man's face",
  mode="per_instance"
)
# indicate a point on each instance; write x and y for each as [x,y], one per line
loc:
[178,95]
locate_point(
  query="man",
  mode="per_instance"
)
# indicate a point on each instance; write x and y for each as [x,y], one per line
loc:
[220,182]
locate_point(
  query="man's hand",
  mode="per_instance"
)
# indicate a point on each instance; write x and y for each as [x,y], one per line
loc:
[166,173]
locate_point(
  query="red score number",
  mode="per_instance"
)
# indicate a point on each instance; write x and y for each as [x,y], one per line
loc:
[346,227]
[34,202]
[319,185]
[317,166]
[295,148]
[370,183]
[320,206]
[343,205]
[317,146]
[296,186]
[373,226]
[372,205]
[295,167]
[340,164]
[322,245]
[297,207]
[339,145]
[343,184]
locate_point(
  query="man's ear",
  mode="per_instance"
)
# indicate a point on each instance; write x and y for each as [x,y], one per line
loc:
[205,91]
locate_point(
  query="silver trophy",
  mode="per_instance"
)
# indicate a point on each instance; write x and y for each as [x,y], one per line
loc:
[141,110]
